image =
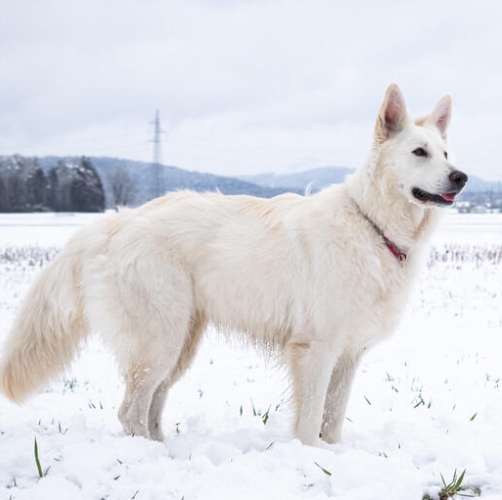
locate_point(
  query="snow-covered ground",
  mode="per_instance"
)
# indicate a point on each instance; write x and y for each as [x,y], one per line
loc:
[425,403]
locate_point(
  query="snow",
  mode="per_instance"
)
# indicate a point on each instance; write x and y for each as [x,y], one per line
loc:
[425,403]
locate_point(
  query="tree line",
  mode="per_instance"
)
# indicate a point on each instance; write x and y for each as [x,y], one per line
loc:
[68,186]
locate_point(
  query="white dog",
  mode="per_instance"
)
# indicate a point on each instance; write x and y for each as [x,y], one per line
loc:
[315,279]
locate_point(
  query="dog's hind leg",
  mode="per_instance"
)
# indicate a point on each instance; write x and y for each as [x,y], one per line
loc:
[197,327]
[141,381]
[337,397]
[148,341]
[147,375]
[156,408]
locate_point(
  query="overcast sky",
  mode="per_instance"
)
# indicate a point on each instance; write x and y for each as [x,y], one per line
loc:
[245,86]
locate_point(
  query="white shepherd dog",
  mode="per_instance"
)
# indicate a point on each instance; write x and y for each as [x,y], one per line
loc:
[315,279]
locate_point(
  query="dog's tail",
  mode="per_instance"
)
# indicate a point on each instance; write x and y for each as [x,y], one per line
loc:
[48,330]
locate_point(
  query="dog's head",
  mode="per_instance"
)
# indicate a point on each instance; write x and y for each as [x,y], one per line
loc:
[417,152]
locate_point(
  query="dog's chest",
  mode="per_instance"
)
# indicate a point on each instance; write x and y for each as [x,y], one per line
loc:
[378,303]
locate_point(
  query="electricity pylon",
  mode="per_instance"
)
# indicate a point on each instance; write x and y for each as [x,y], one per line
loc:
[157,169]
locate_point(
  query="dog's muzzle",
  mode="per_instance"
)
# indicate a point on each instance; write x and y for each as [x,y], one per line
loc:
[457,181]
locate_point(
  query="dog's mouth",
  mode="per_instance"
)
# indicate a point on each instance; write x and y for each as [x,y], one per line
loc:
[438,199]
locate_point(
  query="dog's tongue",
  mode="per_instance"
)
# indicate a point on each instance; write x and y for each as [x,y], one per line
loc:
[448,196]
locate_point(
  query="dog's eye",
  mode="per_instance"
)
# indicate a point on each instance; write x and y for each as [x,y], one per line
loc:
[419,152]
[446,154]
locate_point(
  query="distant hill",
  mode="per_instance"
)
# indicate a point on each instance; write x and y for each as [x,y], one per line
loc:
[174,178]
[325,176]
[317,178]
[263,185]
[476,185]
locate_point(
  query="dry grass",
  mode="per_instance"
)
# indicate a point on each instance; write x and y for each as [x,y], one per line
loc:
[466,254]
[450,254]
[35,256]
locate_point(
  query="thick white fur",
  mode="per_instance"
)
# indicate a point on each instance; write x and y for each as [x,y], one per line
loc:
[308,277]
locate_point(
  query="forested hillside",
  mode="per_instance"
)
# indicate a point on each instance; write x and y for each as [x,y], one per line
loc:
[62,187]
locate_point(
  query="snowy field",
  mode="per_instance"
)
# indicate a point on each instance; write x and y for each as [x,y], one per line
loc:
[426,403]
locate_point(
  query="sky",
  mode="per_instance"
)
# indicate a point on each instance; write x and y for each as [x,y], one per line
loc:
[245,86]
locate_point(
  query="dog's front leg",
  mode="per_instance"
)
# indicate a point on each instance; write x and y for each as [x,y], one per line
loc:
[311,368]
[337,397]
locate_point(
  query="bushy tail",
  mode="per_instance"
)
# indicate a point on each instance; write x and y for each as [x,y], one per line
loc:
[48,329]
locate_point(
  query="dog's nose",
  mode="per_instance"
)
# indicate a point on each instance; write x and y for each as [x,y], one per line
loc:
[458,178]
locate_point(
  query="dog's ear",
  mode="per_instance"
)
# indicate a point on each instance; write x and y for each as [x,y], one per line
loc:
[441,115]
[392,116]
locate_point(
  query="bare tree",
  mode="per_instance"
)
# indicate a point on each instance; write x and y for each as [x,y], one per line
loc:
[122,184]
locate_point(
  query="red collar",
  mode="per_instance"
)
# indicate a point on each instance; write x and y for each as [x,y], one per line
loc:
[394,249]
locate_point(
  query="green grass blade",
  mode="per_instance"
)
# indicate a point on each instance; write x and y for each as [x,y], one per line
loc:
[327,472]
[37,460]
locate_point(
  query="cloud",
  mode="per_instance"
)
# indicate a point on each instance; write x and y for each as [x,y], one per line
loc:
[275,76]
